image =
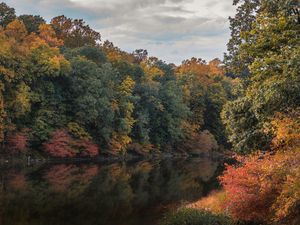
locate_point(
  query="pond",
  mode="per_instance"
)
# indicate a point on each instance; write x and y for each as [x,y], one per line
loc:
[132,193]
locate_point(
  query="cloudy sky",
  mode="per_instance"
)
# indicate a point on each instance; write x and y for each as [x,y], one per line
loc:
[172,30]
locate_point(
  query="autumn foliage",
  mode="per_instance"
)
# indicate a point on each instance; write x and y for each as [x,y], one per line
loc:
[265,187]
[61,144]
[199,143]
[287,129]
[17,143]
[59,75]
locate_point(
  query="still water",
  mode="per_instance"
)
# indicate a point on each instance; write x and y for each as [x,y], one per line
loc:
[138,193]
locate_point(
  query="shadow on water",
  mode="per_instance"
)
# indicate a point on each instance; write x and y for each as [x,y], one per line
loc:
[112,194]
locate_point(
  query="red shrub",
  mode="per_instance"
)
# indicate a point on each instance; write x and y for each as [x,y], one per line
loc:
[253,189]
[60,144]
[247,197]
[17,143]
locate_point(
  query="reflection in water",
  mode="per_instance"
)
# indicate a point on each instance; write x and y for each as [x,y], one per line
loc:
[62,178]
[115,194]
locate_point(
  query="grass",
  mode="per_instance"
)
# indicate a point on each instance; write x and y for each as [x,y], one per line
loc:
[189,216]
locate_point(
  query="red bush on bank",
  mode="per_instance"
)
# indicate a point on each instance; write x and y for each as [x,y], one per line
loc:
[17,143]
[249,193]
[61,144]
[264,188]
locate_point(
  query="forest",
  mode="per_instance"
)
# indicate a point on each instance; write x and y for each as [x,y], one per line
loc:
[64,92]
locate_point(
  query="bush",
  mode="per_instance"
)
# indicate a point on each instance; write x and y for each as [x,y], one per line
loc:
[17,143]
[264,188]
[195,217]
[61,144]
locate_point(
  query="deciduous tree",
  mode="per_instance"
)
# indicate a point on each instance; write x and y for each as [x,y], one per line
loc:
[75,33]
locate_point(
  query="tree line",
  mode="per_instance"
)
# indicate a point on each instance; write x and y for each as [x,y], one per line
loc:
[67,93]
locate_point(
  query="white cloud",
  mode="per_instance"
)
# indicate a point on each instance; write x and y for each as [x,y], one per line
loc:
[172,30]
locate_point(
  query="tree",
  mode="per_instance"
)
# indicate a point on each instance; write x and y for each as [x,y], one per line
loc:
[124,107]
[140,55]
[75,33]
[78,131]
[46,61]
[286,129]
[2,113]
[205,90]
[276,56]
[241,22]
[216,97]
[244,130]
[160,109]
[168,118]
[31,22]
[150,69]
[93,53]
[22,102]
[47,33]
[273,84]
[92,94]
[42,125]
[17,30]
[7,14]
[115,54]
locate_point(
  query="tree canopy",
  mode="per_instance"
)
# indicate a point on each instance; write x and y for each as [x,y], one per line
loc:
[59,83]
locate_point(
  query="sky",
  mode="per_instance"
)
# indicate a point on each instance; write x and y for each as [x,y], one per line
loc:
[172,30]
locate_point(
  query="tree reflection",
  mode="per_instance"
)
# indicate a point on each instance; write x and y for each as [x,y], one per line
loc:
[116,194]
[63,177]
[18,182]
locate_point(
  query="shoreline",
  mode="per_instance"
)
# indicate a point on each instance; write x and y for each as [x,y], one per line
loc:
[6,159]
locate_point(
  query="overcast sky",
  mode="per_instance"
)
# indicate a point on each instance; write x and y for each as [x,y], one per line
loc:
[172,30]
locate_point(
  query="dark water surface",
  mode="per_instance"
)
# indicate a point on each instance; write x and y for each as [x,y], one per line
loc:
[95,194]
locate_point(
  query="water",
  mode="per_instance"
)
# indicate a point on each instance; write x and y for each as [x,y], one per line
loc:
[137,193]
